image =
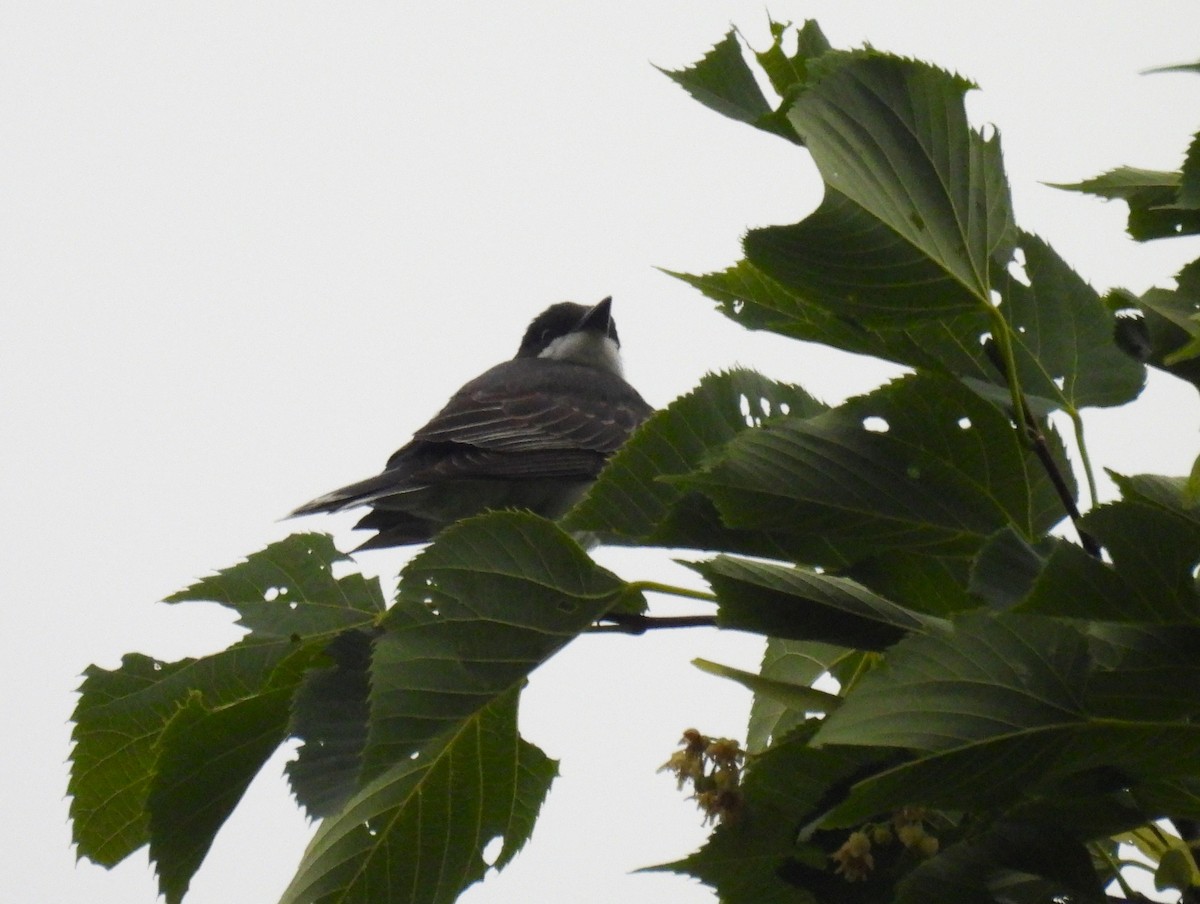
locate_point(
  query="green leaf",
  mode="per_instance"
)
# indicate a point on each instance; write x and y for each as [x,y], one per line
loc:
[1064,336]
[796,662]
[207,759]
[289,589]
[1008,708]
[329,716]
[947,689]
[1177,869]
[1136,664]
[631,502]
[788,73]
[417,832]
[1152,196]
[934,585]
[798,697]
[916,205]
[1065,346]
[120,721]
[1153,551]
[487,602]
[1189,185]
[899,468]
[758,302]
[1006,568]
[1168,328]
[292,605]
[783,601]
[724,82]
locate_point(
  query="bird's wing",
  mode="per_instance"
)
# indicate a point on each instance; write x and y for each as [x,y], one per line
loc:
[558,421]
[557,407]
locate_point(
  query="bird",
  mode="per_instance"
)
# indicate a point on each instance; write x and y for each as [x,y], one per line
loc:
[531,433]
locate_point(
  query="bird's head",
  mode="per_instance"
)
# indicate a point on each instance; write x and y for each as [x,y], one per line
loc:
[576,333]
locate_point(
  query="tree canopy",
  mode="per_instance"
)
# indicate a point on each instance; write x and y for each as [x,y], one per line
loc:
[1015,682]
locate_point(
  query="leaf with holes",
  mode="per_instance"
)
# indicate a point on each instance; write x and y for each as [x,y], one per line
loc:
[120,721]
[923,464]
[289,589]
[633,502]
[487,602]
[417,833]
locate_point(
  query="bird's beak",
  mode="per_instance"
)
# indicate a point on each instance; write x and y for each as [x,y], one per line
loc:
[598,319]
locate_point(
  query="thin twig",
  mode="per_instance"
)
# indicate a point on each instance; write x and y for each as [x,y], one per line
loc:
[1041,449]
[1031,432]
[631,623]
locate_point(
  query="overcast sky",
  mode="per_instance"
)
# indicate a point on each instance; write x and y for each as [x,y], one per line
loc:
[247,248]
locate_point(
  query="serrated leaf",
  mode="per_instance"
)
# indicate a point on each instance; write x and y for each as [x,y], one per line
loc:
[788,73]
[1127,183]
[916,206]
[896,469]
[1152,196]
[1189,184]
[119,723]
[1153,551]
[1064,336]
[784,601]
[723,81]
[1167,328]
[207,758]
[330,714]
[482,606]
[1065,345]
[288,589]
[988,677]
[1007,708]
[632,502]
[417,832]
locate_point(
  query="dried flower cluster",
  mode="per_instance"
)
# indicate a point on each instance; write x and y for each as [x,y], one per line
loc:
[713,767]
[854,858]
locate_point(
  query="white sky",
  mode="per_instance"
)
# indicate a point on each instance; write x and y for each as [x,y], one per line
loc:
[247,248]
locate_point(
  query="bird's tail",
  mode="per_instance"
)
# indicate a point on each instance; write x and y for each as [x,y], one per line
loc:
[363,492]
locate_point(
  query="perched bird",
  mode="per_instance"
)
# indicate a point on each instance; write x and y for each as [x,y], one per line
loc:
[531,433]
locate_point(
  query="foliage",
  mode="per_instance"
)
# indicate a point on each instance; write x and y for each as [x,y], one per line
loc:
[1018,690]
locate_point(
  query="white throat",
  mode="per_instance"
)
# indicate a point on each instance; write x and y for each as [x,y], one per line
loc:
[586,348]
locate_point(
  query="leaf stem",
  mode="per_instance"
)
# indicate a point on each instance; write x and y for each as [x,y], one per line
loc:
[671,590]
[1002,333]
[1084,458]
